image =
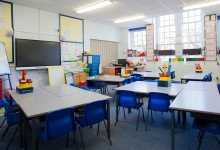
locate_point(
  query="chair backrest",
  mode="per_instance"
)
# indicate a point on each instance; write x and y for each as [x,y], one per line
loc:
[9,114]
[94,84]
[59,122]
[137,77]
[95,112]
[159,101]
[218,85]
[208,78]
[131,79]
[85,88]
[127,99]
[172,75]
[73,84]
[126,81]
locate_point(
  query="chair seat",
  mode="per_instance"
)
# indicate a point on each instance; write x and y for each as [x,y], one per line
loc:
[207,126]
[139,104]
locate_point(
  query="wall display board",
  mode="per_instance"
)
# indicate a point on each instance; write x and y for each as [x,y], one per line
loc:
[150,42]
[71,29]
[210,38]
[71,51]
[4,67]
[6,29]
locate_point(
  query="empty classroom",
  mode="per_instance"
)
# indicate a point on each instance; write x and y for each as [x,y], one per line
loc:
[110,74]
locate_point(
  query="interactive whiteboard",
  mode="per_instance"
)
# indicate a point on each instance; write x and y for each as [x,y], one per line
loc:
[4,66]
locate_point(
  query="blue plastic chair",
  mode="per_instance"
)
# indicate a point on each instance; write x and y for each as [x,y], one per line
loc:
[94,113]
[57,123]
[172,75]
[85,88]
[218,85]
[73,84]
[125,82]
[137,77]
[94,85]
[157,102]
[131,79]
[206,126]
[208,77]
[128,100]
[12,119]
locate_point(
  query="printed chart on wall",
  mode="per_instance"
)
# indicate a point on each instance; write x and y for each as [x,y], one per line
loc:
[70,55]
[210,37]
[6,28]
[150,42]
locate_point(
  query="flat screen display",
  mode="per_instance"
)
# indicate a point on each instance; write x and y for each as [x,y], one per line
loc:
[36,53]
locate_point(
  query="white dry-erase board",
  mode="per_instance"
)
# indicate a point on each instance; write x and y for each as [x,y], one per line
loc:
[4,66]
[56,75]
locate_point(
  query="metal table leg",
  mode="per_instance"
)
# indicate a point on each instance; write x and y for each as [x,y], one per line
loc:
[116,97]
[172,130]
[108,123]
[34,135]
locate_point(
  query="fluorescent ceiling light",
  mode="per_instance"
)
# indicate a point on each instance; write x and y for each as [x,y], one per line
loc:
[94,6]
[130,19]
[207,4]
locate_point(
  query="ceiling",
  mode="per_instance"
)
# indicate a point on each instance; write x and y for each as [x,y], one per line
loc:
[119,9]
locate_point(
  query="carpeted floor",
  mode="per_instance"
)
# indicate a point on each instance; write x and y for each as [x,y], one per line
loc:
[125,137]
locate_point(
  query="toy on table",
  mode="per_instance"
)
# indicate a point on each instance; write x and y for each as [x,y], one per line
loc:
[198,68]
[165,76]
[25,85]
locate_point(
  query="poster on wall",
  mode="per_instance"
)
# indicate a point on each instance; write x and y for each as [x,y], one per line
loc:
[70,51]
[150,42]
[210,38]
[71,29]
[5,27]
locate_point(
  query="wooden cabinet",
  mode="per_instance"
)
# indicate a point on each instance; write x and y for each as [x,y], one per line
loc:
[78,77]
[112,71]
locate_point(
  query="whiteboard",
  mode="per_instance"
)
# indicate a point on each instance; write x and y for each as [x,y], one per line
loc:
[4,67]
[56,75]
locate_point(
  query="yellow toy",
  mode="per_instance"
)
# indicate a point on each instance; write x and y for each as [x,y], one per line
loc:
[198,68]
[165,76]
[25,85]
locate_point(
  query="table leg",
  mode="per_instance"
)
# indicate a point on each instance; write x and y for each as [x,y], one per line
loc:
[108,123]
[21,132]
[116,101]
[25,133]
[184,119]
[172,130]
[34,135]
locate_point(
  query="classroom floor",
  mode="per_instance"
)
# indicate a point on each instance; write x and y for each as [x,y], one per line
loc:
[125,137]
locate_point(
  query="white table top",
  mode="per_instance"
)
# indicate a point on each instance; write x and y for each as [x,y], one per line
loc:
[147,87]
[194,76]
[197,101]
[148,74]
[107,78]
[51,98]
[201,86]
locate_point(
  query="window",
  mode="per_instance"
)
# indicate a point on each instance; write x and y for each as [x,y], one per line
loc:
[192,36]
[138,38]
[167,32]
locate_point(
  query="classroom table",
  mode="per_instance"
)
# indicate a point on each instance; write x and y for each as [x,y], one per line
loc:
[51,98]
[204,102]
[107,79]
[194,76]
[201,86]
[148,75]
[145,88]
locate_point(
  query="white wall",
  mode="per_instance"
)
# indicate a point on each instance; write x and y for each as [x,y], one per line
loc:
[123,45]
[31,23]
[98,31]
